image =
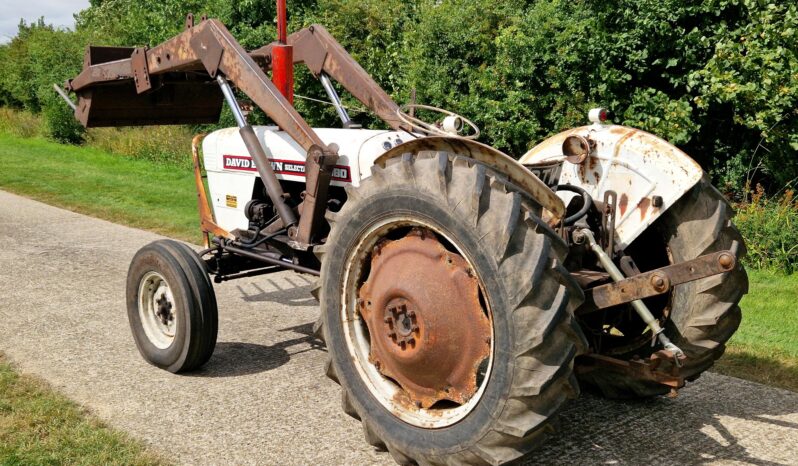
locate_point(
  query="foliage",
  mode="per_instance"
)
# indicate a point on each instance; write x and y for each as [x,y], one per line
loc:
[753,77]
[719,78]
[770,229]
[37,58]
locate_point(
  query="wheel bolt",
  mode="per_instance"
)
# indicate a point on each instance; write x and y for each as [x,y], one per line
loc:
[659,282]
[726,261]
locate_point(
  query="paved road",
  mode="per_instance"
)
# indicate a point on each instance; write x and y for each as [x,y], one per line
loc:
[262,397]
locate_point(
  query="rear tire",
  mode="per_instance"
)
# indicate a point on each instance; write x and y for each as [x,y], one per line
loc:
[705,313]
[530,296]
[171,306]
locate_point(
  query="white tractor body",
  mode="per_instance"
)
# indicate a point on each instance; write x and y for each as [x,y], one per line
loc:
[232,172]
[647,173]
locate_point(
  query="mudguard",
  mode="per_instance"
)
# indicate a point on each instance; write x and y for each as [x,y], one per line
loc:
[486,155]
[647,173]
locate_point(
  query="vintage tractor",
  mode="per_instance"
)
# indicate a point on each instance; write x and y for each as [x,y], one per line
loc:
[465,295]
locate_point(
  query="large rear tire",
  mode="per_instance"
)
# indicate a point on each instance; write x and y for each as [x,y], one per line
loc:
[703,314]
[527,294]
[171,306]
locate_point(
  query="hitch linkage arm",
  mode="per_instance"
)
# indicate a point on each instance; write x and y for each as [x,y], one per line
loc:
[585,235]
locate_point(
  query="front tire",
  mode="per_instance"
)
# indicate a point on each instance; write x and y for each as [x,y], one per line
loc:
[489,228]
[171,306]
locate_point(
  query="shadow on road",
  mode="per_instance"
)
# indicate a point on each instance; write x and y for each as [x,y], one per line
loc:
[293,290]
[232,359]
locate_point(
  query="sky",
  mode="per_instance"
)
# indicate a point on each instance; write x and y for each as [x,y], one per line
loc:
[56,12]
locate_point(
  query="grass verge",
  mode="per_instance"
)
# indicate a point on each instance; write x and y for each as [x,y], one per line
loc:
[139,193]
[765,348]
[162,199]
[38,426]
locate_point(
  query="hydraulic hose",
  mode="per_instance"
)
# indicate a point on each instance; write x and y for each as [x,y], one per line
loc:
[587,201]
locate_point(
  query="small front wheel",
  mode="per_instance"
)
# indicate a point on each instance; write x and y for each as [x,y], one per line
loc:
[171,306]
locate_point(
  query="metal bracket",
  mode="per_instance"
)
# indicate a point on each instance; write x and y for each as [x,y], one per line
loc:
[141,74]
[656,282]
[208,49]
[608,221]
[652,369]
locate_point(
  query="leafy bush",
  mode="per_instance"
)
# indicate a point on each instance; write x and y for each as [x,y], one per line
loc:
[770,229]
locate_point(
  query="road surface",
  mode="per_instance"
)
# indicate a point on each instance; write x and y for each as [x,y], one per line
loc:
[262,398]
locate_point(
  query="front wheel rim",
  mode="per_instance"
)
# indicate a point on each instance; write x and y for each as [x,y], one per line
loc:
[157,310]
[387,391]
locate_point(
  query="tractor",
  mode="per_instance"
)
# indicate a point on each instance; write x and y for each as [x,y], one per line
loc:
[465,294]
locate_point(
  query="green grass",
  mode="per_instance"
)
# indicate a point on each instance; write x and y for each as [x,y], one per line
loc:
[138,193]
[40,427]
[765,348]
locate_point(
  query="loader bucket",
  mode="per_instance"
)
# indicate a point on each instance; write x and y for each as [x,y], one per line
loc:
[175,98]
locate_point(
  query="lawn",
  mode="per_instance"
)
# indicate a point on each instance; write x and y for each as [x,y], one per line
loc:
[765,348]
[39,426]
[138,193]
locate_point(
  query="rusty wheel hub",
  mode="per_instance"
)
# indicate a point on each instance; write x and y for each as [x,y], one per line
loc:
[428,330]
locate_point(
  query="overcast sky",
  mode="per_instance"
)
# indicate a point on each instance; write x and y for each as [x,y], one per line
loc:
[56,12]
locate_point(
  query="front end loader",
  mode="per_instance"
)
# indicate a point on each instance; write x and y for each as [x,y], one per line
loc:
[465,295]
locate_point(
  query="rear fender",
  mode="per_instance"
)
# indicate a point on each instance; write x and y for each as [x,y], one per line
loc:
[640,167]
[486,155]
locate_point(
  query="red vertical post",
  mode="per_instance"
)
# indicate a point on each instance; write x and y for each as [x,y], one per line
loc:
[282,22]
[283,56]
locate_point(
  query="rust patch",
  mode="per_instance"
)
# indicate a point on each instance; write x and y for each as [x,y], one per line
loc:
[622,141]
[643,206]
[591,163]
[623,204]
[428,330]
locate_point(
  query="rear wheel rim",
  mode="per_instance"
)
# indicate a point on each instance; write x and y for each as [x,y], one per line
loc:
[157,310]
[388,391]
